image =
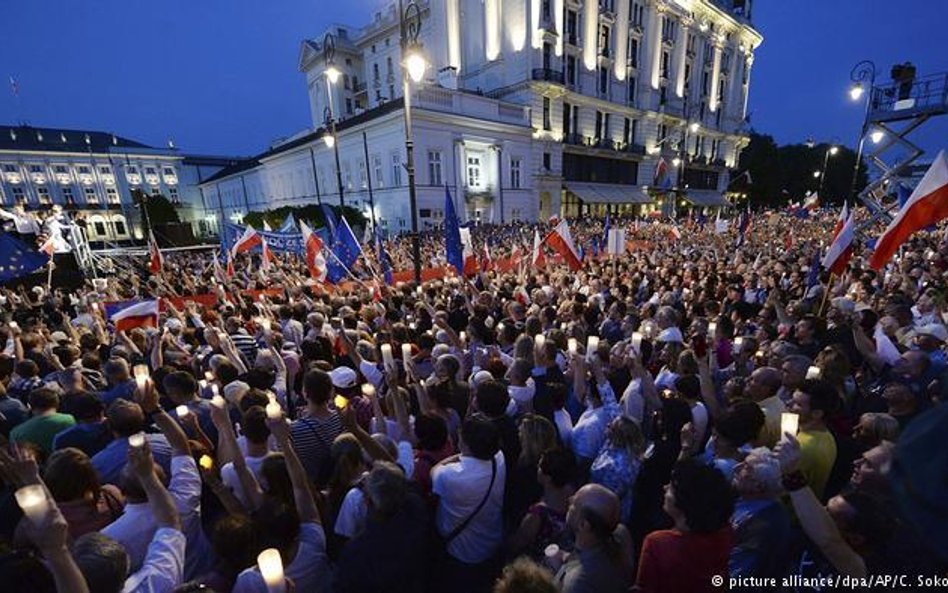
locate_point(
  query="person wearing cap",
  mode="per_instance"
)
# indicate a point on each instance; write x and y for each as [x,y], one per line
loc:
[346,383]
[931,339]
[91,433]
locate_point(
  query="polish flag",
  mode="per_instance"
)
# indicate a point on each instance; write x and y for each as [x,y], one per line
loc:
[812,201]
[267,259]
[561,242]
[155,259]
[48,247]
[674,232]
[927,205]
[313,247]
[247,241]
[230,265]
[843,215]
[537,258]
[841,250]
[130,314]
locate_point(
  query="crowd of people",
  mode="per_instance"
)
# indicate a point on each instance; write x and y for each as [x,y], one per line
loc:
[693,415]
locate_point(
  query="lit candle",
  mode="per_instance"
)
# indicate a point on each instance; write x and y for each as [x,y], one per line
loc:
[340,402]
[182,411]
[712,328]
[206,462]
[636,341]
[551,551]
[406,352]
[500,328]
[539,340]
[141,375]
[814,372]
[137,440]
[592,344]
[271,569]
[32,500]
[563,327]
[209,376]
[412,326]
[274,410]
[203,384]
[218,402]
[571,345]
[462,337]
[265,323]
[215,390]
[418,290]
[14,325]
[387,359]
[368,390]
[789,422]
[737,345]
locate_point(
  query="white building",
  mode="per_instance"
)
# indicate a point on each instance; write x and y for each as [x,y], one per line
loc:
[93,174]
[529,108]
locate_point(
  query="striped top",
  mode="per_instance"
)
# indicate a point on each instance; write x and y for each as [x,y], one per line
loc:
[312,439]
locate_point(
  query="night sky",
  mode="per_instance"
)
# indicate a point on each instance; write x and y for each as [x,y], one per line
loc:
[220,76]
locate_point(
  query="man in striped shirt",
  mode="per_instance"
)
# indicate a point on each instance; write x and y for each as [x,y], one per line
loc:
[245,343]
[315,431]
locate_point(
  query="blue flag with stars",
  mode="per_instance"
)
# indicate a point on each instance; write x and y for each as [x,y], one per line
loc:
[452,234]
[345,252]
[813,277]
[331,222]
[384,260]
[17,259]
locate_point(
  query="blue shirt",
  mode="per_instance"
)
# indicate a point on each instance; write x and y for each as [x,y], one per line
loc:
[90,438]
[110,461]
[125,390]
[13,410]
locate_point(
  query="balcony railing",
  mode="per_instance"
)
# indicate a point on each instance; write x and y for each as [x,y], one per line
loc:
[575,139]
[634,148]
[359,88]
[548,74]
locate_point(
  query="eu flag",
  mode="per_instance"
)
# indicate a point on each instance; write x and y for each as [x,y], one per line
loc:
[17,259]
[345,252]
[452,234]
[331,222]
[384,260]
[813,277]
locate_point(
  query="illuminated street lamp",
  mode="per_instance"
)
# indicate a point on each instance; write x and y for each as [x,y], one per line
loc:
[676,161]
[332,76]
[876,136]
[816,174]
[414,66]
[856,91]
[862,73]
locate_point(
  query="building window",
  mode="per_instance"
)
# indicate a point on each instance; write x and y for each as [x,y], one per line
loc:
[547,125]
[61,170]
[626,131]
[106,170]
[91,196]
[396,169]
[388,65]
[172,195]
[547,161]
[666,61]
[363,175]
[567,115]
[571,70]
[637,15]
[375,70]
[632,87]
[515,213]
[155,191]
[391,91]
[18,194]
[84,170]
[9,168]
[604,41]
[119,227]
[111,194]
[474,179]
[669,29]
[603,81]
[633,52]
[571,27]
[515,165]
[635,131]
[547,56]
[348,106]
[377,166]
[68,196]
[598,134]
[434,167]
[36,168]
[43,194]
[148,171]
[99,228]
[347,175]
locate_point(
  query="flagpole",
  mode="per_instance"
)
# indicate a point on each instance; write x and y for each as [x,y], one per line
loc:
[348,271]
[49,274]
[829,286]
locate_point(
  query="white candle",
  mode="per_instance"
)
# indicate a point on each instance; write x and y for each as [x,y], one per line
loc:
[418,290]
[412,326]
[271,569]
[140,372]
[551,551]
[209,376]
[571,345]
[500,328]
[712,328]
[215,390]
[32,499]
[789,422]
[274,410]
[137,440]
[562,327]
[387,359]
[182,411]
[406,352]
[368,390]
[592,345]
[637,341]
[265,323]
[218,402]
[539,340]
[814,372]
[14,325]
[462,337]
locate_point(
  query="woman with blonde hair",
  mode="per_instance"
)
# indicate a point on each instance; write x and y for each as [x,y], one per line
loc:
[619,461]
[537,435]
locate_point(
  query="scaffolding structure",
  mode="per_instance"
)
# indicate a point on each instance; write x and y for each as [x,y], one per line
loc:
[894,111]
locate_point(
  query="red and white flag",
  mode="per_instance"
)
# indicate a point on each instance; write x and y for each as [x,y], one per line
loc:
[561,241]
[133,314]
[537,258]
[811,201]
[313,247]
[927,205]
[48,247]
[674,233]
[841,250]
[155,259]
[250,239]
[843,216]
[267,258]
[230,265]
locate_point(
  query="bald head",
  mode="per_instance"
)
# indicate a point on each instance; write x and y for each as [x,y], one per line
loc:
[594,513]
[764,382]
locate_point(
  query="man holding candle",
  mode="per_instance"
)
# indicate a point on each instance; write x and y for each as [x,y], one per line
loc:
[814,401]
[314,432]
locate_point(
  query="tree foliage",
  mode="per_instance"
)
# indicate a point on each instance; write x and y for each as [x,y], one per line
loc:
[781,174]
[160,210]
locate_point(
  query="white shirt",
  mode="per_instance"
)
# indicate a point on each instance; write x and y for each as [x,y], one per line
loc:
[25,223]
[309,570]
[633,403]
[590,430]
[564,426]
[229,477]
[136,527]
[163,568]
[352,514]
[699,419]
[292,331]
[523,395]
[461,486]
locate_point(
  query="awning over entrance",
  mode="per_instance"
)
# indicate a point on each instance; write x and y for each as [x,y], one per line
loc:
[707,198]
[608,193]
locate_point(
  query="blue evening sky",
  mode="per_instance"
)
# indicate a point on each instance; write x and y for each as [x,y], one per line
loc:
[220,76]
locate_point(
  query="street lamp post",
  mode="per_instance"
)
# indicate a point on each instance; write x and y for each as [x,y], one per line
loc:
[863,72]
[413,69]
[332,75]
[832,149]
